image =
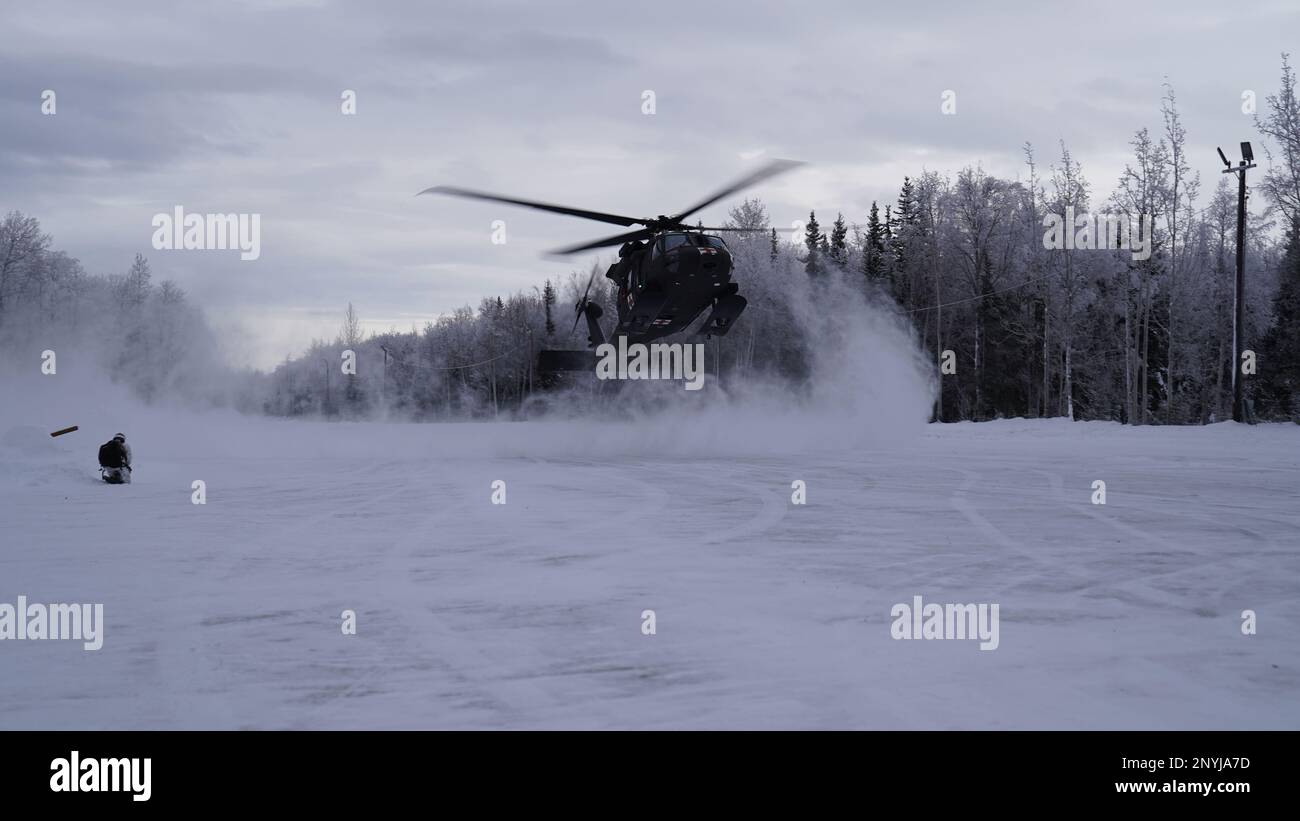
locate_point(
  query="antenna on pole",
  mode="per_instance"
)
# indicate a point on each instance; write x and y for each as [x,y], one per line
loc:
[1239,408]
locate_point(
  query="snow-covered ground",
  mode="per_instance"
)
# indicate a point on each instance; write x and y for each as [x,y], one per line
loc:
[768,614]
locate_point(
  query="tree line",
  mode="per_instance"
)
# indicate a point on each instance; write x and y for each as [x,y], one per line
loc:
[146,335]
[1014,327]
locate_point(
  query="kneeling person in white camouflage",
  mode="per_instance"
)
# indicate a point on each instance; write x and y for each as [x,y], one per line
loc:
[115,460]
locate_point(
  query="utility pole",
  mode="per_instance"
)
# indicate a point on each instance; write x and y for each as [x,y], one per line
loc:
[1239,293]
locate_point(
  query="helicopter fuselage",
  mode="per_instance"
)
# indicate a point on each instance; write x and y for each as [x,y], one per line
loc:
[664,286]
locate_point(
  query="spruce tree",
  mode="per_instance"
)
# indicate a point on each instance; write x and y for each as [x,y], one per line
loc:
[548,303]
[839,249]
[775,245]
[873,265]
[812,239]
[904,217]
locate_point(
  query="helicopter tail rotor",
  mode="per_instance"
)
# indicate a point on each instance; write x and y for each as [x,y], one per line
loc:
[592,311]
[581,307]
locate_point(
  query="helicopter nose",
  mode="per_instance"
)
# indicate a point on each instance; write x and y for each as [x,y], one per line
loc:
[701,263]
[685,261]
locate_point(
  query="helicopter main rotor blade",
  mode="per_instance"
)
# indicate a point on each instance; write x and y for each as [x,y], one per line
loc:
[599,216]
[769,170]
[582,303]
[618,239]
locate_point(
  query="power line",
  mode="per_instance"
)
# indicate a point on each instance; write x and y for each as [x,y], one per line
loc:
[501,355]
[977,296]
[954,302]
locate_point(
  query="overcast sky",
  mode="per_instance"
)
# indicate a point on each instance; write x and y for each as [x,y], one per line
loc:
[235,107]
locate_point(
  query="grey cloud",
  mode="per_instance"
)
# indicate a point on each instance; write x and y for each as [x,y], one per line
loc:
[235,107]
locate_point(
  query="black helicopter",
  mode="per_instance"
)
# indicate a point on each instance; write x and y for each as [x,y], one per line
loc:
[667,272]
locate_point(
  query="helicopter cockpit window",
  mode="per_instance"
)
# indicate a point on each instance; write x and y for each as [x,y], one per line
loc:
[706,241]
[671,241]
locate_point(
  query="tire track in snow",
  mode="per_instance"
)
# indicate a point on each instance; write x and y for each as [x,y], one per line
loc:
[1142,581]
